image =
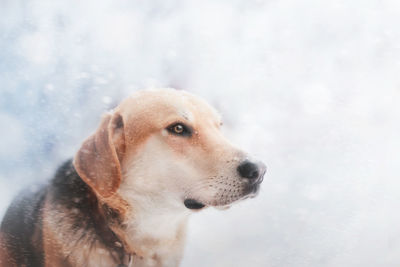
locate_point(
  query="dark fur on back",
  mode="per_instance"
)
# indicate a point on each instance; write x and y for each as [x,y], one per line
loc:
[21,227]
[72,193]
[69,191]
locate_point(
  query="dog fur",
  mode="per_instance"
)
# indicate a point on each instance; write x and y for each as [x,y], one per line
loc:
[135,174]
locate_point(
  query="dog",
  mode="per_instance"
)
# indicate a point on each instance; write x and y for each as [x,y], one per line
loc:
[125,198]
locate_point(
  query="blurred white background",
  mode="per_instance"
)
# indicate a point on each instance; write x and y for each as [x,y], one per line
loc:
[311,87]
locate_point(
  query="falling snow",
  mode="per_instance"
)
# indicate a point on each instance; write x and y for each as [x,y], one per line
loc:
[311,87]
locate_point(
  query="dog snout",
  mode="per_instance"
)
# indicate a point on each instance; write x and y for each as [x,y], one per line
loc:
[252,171]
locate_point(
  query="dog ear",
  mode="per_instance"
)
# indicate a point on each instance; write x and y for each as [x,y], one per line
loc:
[98,161]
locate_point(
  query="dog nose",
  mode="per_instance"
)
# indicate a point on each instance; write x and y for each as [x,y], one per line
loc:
[251,170]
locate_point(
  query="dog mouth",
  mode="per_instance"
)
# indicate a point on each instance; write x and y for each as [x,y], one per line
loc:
[250,191]
[193,204]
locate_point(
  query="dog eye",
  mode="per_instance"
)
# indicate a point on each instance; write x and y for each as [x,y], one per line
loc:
[180,129]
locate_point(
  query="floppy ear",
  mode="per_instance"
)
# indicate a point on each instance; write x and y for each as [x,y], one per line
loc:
[98,160]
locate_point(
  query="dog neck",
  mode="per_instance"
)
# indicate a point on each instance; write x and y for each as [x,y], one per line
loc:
[155,229]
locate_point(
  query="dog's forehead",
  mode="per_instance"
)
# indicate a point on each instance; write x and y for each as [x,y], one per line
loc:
[192,108]
[159,105]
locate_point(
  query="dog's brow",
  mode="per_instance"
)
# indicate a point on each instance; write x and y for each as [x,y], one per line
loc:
[186,115]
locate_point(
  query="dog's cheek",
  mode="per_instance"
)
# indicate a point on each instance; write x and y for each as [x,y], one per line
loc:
[178,145]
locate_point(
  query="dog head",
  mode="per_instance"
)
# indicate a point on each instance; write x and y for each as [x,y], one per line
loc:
[165,147]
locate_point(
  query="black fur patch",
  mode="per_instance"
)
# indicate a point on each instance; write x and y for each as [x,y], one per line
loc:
[70,192]
[22,224]
[22,228]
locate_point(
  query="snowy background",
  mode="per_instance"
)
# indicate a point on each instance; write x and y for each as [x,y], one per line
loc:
[311,87]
